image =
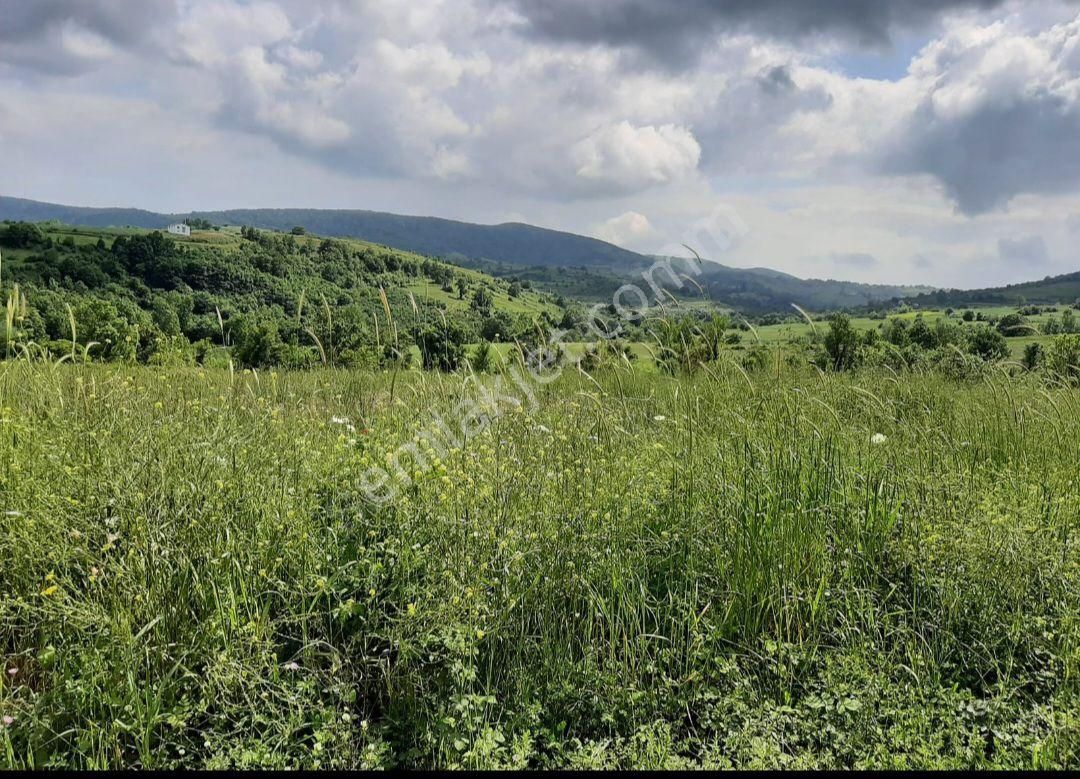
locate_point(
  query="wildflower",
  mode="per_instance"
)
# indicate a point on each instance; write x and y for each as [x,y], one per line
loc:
[51,590]
[878,438]
[292,666]
[7,720]
[479,634]
[411,610]
[543,429]
[12,671]
[659,418]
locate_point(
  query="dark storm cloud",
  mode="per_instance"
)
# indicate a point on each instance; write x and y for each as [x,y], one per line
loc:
[672,33]
[1029,143]
[776,80]
[32,31]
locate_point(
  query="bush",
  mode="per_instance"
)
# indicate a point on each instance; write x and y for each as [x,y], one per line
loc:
[482,358]
[988,344]
[841,343]
[441,347]
[1063,358]
[21,235]
[1033,356]
[1012,325]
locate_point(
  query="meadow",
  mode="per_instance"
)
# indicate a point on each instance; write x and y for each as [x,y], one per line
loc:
[730,569]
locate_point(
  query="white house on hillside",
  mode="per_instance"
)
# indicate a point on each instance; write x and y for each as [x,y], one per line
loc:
[180,229]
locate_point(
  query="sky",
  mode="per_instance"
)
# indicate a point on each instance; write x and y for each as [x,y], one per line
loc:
[912,141]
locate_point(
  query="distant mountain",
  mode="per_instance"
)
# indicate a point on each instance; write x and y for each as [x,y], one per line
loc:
[17,209]
[763,289]
[572,265]
[1052,289]
[512,242]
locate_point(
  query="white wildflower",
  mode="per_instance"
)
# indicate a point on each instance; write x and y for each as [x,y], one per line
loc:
[878,438]
[659,418]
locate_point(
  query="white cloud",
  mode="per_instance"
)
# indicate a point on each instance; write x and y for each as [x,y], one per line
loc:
[629,230]
[621,157]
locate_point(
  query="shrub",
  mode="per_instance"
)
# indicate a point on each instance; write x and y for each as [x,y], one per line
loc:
[841,343]
[1033,356]
[1063,358]
[481,359]
[441,347]
[988,344]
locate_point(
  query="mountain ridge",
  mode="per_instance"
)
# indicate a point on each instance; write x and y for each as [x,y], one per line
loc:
[508,249]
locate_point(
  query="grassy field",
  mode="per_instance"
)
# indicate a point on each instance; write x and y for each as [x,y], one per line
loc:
[727,570]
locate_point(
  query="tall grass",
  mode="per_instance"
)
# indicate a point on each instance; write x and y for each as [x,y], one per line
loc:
[648,571]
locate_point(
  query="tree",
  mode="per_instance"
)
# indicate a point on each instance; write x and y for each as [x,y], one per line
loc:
[1063,358]
[165,317]
[1011,325]
[462,287]
[969,316]
[481,359]
[257,345]
[841,343]
[497,327]
[921,335]
[988,343]
[481,301]
[298,230]
[441,348]
[21,235]
[514,290]
[1033,355]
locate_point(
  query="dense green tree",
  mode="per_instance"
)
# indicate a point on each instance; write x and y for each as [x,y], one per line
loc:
[481,301]
[1012,325]
[988,343]
[441,348]
[1033,356]
[1063,358]
[482,358]
[21,235]
[257,344]
[841,343]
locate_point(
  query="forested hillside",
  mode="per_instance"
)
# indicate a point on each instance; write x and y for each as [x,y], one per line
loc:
[270,298]
[572,265]
[1052,289]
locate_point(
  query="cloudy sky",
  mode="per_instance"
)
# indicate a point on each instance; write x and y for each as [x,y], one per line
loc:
[932,141]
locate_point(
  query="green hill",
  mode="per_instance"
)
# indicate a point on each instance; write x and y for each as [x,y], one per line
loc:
[262,298]
[571,265]
[1052,289]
